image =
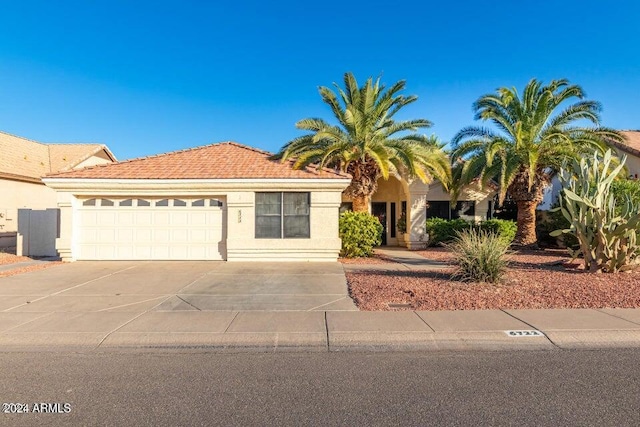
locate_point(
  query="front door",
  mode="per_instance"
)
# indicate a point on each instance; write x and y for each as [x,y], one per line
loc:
[379,210]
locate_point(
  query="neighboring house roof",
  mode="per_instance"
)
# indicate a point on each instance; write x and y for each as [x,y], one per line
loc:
[29,160]
[225,160]
[632,145]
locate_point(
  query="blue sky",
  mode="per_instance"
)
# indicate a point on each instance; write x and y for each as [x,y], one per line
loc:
[149,77]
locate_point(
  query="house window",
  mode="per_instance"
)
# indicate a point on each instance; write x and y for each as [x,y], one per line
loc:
[438,209]
[198,203]
[443,209]
[346,206]
[142,202]
[215,203]
[126,202]
[89,202]
[162,203]
[282,215]
[180,203]
[464,207]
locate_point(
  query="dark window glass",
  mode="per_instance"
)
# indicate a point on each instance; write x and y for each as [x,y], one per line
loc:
[346,206]
[142,202]
[89,202]
[438,209]
[126,202]
[198,203]
[107,202]
[281,215]
[163,202]
[393,219]
[464,207]
[296,215]
[268,215]
[215,202]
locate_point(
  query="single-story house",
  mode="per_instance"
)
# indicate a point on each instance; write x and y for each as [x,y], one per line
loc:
[630,148]
[23,163]
[222,201]
[417,201]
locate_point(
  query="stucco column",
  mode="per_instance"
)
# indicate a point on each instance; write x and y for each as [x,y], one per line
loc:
[64,243]
[417,215]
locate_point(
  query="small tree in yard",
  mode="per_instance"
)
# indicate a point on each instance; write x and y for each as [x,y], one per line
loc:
[607,235]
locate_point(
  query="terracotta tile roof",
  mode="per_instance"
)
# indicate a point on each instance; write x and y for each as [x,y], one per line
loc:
[225,160]
[23,158]
[67,156]
[632,145]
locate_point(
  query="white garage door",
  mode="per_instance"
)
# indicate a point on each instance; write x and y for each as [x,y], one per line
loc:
[151,229]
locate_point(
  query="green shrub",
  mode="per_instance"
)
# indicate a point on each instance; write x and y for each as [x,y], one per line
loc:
[623,189]
[360,233]
[444,231]
[504,228]
[549,221]
[479,256]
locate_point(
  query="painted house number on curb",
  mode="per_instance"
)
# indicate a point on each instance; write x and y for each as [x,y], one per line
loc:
[531,333]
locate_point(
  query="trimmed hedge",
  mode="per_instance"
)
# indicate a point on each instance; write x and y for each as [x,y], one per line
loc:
[443,231]
[360,233]
[504,228]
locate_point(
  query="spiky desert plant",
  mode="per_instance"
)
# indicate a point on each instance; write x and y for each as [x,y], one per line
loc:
[607,235]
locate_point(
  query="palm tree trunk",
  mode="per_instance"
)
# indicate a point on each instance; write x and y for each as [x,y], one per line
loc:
[361,204]
[526,234]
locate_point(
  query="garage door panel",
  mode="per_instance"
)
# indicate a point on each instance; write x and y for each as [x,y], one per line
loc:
[179,219]
[126,218]
[143,218]
[125,235]
[143,235]
[106,218]
[161,218]
[151,232]
[179,235]
[107,235]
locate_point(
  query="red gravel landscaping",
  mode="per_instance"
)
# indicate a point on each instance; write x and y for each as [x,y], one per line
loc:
[535,279]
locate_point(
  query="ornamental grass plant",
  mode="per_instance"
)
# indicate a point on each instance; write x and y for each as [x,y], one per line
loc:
[480,256]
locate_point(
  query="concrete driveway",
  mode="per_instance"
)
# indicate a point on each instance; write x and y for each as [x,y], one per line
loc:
[129,286]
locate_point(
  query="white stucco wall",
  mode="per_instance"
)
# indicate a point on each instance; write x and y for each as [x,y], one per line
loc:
[15,195]
[241,245]
[323,244]
[633,164]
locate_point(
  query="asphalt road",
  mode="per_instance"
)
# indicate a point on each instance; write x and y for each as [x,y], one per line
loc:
[599,387]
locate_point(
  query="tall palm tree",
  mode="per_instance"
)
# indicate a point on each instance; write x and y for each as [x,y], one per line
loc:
[533,135]
[367,142]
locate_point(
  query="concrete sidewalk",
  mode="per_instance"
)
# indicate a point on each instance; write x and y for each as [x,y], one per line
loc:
[269,331]
[401,260]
